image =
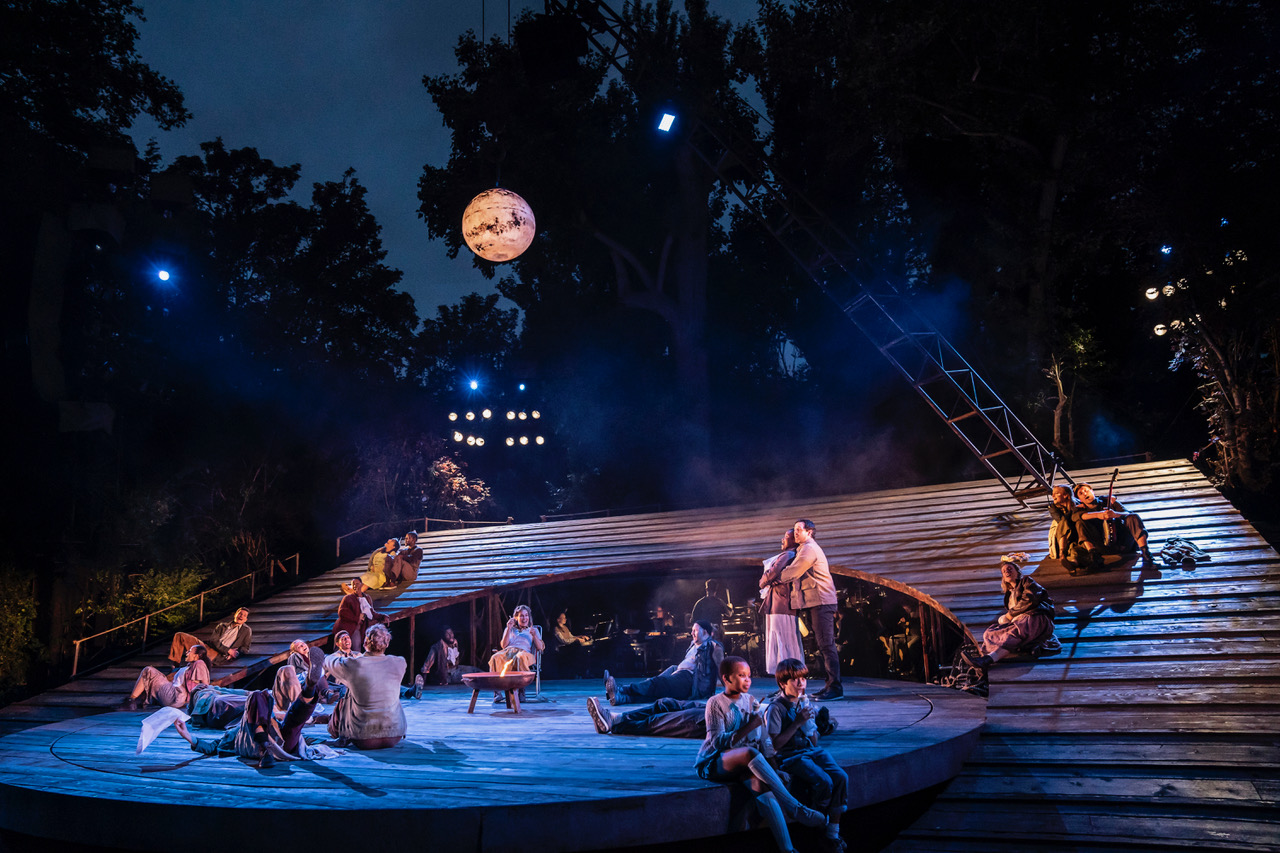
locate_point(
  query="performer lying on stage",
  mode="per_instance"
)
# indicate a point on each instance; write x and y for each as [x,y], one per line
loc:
[664,718]
[259,735]
[370,715]
[1027,623]
[733,752]
[793,737]
[171,691]
[693,678]
[228,639]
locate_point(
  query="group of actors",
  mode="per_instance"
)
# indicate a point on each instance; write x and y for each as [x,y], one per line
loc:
[705,695]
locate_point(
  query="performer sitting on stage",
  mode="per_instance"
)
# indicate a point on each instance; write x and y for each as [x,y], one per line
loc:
[342,646]
[443,658]
[403,567]
[172,691]
[259,735]
[228,639]
[1062,529]
[1093,511]
[370,715]
[520,641]
[693,678]
[664,718]
[793,737]
[781,623]
[733,752]
[1027,623]
[380,565]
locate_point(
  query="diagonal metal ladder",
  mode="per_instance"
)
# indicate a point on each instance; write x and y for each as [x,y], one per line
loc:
[937,371]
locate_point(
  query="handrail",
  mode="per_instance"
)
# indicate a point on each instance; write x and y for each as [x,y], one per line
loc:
[603,513]
[426,523]
[146,618]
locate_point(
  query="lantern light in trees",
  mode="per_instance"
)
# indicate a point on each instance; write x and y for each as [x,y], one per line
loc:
[1167,290]
[498,225]
[1152,293]
[1161,329]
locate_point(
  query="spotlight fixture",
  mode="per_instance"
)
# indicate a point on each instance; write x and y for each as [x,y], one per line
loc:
[471,439]
[1152,293]
[524,439]
[666,122]
[479,441]
[457,436]
[471,416]
[1161,330]
[486,414]
[523,416]
[539,440]
[453,416]
[511,442]
[1167,290]
[511,416]
[535,413]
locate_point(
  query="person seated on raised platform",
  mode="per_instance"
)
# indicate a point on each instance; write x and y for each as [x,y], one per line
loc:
[693,678]
[443,658]
[375,577]
[259,735]
[521,640]
[228,639]
[685,718]
[793,739]
[356,613]
[403,567]
[734,752]
[1093,512]
[370,715]
[171,691]
[1026,626]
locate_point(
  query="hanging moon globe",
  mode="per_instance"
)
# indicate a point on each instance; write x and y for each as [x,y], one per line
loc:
[498,225]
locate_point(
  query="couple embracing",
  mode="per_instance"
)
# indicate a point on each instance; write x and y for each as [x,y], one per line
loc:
[800,579]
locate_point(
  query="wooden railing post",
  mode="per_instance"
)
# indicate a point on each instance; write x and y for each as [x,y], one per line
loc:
[146,624]
[200,618]
[75,661]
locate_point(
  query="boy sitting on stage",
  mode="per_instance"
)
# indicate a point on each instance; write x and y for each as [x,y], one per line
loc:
[793,735]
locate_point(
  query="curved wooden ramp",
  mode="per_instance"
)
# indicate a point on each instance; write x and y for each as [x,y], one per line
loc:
[1156,729]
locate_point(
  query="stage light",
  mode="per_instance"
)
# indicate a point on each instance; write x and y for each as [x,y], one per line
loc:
[539,440]
[511,416]
[471,416]
[521,386]
[163,275]
[524,439]
[1161,330]
[486,414]
[535,413]
[471,439]
[1167,290]
[1223,222]
[1175,325]
[666,122]
[1152,293]
[473,385]
[511,442]
[522,416]
[453,416]
[457,436]
[1166,250]
[479,441]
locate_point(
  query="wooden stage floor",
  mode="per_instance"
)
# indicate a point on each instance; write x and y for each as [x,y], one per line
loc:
[540,781]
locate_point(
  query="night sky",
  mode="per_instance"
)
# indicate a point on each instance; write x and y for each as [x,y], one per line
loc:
[330,85]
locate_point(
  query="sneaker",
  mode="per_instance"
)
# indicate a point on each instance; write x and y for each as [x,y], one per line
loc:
[129,704]
[416,692]
[499,699]
[808,817]
[266,761]
[610,688]
[826,725]
[604,723]
[830,693]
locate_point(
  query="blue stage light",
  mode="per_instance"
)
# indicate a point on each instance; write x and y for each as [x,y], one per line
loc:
[473,385]
[667,121]
[1165,250]
[163,275]
[521,386]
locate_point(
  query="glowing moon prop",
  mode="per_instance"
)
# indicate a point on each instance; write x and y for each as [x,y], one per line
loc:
[498,225]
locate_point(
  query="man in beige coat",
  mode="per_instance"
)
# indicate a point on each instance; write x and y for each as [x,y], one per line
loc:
[813,589]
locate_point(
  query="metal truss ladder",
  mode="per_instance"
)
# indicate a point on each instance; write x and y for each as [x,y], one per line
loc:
[939,373]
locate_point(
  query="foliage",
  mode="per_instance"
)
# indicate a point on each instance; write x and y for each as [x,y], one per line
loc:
[402,474]
[113,598]
[18,605]
[474,337]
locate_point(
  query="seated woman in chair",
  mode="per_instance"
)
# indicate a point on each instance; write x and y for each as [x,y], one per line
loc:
[521,642]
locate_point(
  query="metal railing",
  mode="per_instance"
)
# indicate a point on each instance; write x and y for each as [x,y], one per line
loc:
[146,619]
[426,524]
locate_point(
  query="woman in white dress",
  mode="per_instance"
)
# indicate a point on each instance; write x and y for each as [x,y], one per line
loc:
[781,624]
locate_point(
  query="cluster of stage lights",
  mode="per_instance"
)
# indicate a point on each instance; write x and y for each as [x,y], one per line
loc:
[486,415]
[1154,293]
